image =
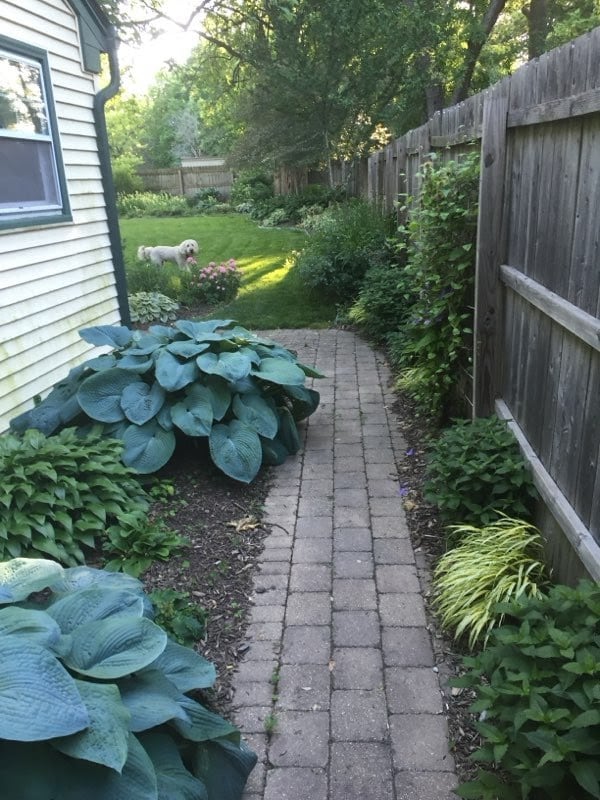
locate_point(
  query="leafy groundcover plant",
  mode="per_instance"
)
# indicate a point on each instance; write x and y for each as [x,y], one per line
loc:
[500,562]
[97,702]
[538,697]
[58,492]
[475,470]
[212,379]
[151,307]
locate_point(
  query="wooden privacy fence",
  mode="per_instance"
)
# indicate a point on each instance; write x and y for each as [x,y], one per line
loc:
[187,180]
[536,358]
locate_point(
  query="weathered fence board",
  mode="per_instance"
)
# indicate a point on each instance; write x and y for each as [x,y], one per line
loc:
[187,180]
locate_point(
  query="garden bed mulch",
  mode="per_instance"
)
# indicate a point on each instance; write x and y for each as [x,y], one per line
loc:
[222,520]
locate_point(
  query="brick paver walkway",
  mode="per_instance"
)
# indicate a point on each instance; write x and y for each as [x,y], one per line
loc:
[340,663]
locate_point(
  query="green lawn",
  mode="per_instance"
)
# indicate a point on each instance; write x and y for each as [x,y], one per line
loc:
[271,295]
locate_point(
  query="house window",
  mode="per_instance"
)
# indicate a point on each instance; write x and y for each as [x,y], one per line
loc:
[32,184]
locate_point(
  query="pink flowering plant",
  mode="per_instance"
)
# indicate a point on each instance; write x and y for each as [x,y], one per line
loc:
[216,283]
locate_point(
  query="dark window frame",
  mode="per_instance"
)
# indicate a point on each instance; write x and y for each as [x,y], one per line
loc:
[35,217]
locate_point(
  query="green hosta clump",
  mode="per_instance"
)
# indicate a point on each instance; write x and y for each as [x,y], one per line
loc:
[497,563]
[213,380]
[475,470]
[57,493]
[538,697]
[137,541]
[96,700]
[151,307]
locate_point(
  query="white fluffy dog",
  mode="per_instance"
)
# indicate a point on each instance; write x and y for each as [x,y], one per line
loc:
[179,254]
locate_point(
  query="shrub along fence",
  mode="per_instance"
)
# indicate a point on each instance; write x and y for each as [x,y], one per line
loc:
[536,359]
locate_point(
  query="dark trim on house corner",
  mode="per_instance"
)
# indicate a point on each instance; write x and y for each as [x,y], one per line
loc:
[110,197]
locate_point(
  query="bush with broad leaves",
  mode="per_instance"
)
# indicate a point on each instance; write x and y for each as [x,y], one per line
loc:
[97,701]
[210,379]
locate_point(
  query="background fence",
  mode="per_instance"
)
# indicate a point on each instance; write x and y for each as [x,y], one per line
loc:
[187,180]
[536,358]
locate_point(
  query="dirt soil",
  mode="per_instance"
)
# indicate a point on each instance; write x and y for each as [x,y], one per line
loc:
[222,519]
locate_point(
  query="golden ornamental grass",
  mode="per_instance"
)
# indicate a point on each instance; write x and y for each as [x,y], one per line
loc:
[494,564]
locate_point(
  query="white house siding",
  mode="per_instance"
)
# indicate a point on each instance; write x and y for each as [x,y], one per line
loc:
[55,279]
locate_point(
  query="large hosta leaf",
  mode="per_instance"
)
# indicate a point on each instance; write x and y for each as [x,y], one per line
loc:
[115,647]
[187,349]
[231,366]
[97,602]
[113,335]
[186,669]
[106,739]
[304,401]
[147,447]
[135,363]
[76,578]
[38,697]
[19,780]
[37,626]
[194,413]
[22,576]
[100,394]
[274,451]
[151,699]
[220,395]
[202,725]
[172,374]
[256,412]
[279,370]
[224,767]
[141,402]
[235,448]
[174,781]
[199,330]
[288,432]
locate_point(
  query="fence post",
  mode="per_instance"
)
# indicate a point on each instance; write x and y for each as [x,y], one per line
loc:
[490,252]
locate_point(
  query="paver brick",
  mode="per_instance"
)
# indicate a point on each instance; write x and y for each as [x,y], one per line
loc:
[304,687]
[360,771]
[313,527]
[352,564]
[393,551]
[346,517]
[265,631]
[292,783]
[420,742]
[402,609]
[251,671]
[354,593]
[407,647]
[350,480]
[252,694]
[355,539]
[301,739]
[358,715]
[385,527]
[306,644]
[310,578]
[425,785]
[397,578]
[356,629]
[413,690]
[308,608]
[312,551]
[357,668]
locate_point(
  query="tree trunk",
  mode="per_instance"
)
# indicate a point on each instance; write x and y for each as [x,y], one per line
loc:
[537,27]
[474,47]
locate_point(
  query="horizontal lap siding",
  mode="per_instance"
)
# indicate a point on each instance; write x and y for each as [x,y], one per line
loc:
[55,279]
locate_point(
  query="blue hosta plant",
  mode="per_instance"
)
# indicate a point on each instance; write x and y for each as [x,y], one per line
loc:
[210,379]
[97,701]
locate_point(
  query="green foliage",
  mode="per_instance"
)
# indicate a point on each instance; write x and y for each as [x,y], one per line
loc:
[475,470]
[153,204]
[496,563]
[178,615]
[137,541]
[98,698]
[213,380]
[346,241]
[382,305]
[441,235]
[251,186]
[57,493]
[215,283]
[538,698]
[125,176]
[152,306]
[293,207]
